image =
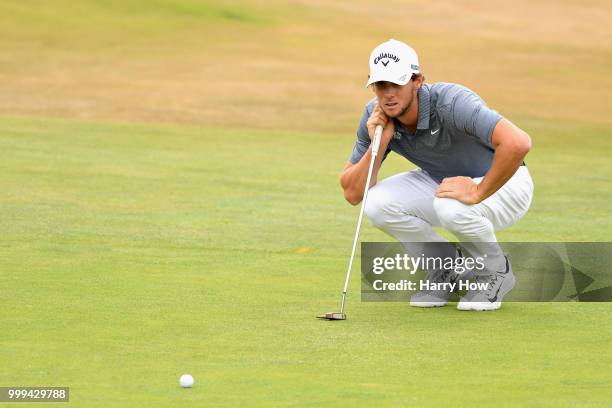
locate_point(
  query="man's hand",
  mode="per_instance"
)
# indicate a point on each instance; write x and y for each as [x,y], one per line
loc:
[378,117]
[463,189]
[354,176]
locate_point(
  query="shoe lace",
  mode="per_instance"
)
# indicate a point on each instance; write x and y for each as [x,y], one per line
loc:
[444,275]
[439,275]
[491,280]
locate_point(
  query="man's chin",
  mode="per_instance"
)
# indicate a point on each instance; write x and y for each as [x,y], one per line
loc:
[393,114]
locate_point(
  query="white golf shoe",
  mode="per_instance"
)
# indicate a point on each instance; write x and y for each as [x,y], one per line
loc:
[497,286]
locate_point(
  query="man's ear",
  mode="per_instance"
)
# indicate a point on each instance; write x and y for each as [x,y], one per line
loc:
[419,81]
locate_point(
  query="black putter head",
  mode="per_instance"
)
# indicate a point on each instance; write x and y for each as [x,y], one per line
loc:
[332,316]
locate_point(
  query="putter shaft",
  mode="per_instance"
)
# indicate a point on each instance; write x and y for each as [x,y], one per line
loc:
[375,146]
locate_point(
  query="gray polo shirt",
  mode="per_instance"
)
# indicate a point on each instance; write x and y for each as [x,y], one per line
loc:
[453,135]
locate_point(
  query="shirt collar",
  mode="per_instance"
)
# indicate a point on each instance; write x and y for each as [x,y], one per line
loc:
[424,107]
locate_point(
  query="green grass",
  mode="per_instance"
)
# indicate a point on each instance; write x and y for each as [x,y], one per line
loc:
[131,254]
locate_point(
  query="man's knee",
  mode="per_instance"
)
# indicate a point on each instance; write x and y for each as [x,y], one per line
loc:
[384,213]
[453,214]
[377,207]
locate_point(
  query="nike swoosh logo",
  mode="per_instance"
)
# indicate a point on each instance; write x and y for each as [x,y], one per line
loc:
[494,298]
[384,63]
[433,132]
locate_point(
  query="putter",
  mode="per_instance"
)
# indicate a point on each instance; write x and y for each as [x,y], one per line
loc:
[375,145]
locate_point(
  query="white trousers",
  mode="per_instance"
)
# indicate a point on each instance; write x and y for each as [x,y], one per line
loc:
[405,207]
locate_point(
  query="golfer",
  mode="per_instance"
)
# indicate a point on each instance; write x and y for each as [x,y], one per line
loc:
[471,178]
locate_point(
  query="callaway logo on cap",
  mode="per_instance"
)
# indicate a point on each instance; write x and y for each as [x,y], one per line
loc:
[393,61]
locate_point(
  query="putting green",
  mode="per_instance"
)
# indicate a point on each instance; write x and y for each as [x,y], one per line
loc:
[132,254]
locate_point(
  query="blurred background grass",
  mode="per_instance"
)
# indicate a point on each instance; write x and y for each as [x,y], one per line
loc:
[296,64]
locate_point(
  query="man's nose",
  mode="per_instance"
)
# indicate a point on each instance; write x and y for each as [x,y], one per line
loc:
[389,91]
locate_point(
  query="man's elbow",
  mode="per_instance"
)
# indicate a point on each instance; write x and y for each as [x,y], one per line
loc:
[351,197]
[349,193]
[522,144]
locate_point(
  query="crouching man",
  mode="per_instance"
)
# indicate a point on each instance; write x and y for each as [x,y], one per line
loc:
[471,178]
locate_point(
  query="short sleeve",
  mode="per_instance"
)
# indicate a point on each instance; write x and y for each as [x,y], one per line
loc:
[363,139]
[471,115]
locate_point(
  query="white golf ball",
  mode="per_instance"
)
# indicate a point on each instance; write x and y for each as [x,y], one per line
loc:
[186,381]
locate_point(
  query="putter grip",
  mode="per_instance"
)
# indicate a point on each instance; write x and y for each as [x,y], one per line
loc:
[376,142]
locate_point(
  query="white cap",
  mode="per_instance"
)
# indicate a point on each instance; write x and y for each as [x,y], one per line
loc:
[393,61]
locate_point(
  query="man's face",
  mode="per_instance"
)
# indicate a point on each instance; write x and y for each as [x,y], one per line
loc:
[395,100]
